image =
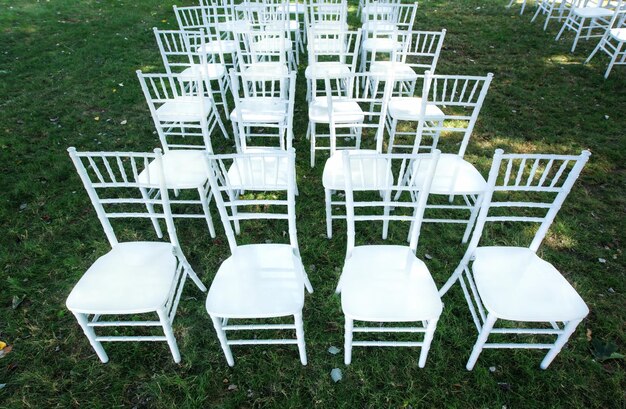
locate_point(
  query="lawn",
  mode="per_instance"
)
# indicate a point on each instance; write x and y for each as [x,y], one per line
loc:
[67,78]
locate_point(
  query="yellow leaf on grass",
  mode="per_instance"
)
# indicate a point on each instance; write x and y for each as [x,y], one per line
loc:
[2,345]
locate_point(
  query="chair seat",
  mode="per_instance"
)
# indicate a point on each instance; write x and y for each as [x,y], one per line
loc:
[409,109]
[592,12]
[297,8]
[619,34]
[324,46]
[344,111]
[376,174]
[292,25]
[214,72]
[380,27]
[515,284]
[233,26]
[183,169]
[388,283]
[266,70]
[260,110]
[258,281]
[453,175]
[270,45]
[327,69]
[381,45]
[134,277]
[184,109]
[401,71]
[217,46]
[270,172]
[329,25]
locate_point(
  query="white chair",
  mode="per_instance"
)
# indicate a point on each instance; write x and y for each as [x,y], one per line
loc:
[211,19]
[382,33]
[338,103]
[180,54]
[613,41]
[263,111]
[135,278]
[331,52]
[420,53]
[258,281]
[594,17]
[276,15]
[265,52]
[327,15]
[513,283]
[350,116]
[549,7]
[184,117]
[462,98]
[387,283]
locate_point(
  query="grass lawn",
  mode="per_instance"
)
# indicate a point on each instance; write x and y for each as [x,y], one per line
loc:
[67,78]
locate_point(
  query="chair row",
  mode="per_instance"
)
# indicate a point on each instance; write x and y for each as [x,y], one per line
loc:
[604,19]
[379,282]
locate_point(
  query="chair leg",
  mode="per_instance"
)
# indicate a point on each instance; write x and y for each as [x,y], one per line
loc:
[595,50]
[613,59]
[561,30]
[223,93]
[205,207]
[169,334]
[569,329]
[480,342]
[150,206]
[578,32]
[221,335]
[311,134]
[472,219]
[329,215]
[536,14]
[83,321]
[300,337]
[348,341]
[428,338]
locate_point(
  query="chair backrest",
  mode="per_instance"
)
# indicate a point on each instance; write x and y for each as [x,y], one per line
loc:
[421,49]
[275,95]
[389,16]
[267,177]
[191,17]
[334,45]
[122,184]
[371,191]
[460,97]
[527,188]
[261,46]
[186,122]
[326,13]
[352,104]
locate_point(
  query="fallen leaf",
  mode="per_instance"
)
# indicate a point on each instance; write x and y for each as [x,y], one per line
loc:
[589,335]
[124,122]
[602,260]
[603,350]
[17,301]
[336,375]
[2,345]
[492,369]
[5,351]
[96,118]
[428,256]
[232,387]
[334,350]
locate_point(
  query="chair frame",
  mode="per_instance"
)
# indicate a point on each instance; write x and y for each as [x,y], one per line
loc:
[576,22]
[611,44]
[156,91]
[227,196]
[112,174]
[418,196]
[536,181]
[448,91]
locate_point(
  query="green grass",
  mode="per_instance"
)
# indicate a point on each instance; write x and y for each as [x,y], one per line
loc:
[65,63]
